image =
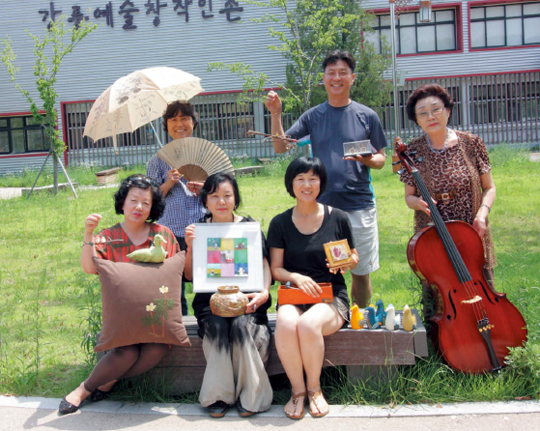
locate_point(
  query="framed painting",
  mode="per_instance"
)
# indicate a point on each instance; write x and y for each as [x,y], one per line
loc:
[227,254]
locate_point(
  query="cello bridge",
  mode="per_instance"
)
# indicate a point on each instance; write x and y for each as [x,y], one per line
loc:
[473,300]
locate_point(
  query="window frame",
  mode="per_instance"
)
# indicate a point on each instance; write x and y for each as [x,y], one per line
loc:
[486,4]
[25,128]
[458,23]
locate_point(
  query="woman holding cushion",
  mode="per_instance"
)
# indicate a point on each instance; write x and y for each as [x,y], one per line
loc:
[141,202]
[235,348]
[296,239]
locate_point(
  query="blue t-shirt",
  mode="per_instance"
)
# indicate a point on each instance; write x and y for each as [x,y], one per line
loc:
[349,183]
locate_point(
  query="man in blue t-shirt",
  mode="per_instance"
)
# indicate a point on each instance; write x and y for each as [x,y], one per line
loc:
[349,188]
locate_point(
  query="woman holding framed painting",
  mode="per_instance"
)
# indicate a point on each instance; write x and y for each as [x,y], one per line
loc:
[236,348]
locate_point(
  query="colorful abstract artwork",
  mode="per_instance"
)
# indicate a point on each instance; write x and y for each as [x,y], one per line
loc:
[227,257]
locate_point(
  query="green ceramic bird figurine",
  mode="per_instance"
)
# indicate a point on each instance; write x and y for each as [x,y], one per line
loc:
[154,254]
[380,313]
[409,319]
[372,321]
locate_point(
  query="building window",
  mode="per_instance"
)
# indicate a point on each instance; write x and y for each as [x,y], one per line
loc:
[415,37]
[505,25]
[505,102]
[224,121]
[19,135]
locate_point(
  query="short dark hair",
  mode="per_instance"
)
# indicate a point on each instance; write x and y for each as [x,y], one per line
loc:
[337,55]
[143,182]
[174,108]
[301,165]
[213,181]
[426,91]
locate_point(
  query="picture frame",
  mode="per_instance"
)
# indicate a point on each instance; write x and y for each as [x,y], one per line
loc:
[225,254]
[338,253]
[358,148]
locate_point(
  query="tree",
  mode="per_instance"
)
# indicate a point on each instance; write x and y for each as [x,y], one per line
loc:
[309,31]
[45,71]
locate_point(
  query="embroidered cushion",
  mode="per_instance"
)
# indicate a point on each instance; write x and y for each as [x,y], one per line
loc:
[141,303]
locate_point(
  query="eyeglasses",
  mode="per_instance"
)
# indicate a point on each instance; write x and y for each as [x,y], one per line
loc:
[341,73]
[424,115]
[142,178]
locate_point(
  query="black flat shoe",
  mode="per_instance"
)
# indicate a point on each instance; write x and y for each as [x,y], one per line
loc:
[242,411]
[98,395]
[218,409]
[66,407]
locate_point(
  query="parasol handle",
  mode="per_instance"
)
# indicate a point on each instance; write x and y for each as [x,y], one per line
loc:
[151,125]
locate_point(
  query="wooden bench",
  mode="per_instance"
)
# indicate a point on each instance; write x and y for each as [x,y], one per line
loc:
[247,170]
[365,352]
[108,176]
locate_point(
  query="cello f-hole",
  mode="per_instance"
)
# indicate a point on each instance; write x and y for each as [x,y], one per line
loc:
[452,303]
[487,295]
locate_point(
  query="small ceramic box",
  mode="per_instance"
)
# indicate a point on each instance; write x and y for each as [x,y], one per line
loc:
[338,253]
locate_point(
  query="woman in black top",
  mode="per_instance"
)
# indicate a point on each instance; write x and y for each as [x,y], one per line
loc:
[235,348]
[296,239]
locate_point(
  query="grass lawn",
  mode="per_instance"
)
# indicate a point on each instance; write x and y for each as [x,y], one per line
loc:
[48,304]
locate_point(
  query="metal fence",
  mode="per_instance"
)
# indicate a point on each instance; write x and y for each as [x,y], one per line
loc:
[501,108]
[224,120]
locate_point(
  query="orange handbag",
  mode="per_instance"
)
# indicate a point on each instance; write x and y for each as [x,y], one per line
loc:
[290,294]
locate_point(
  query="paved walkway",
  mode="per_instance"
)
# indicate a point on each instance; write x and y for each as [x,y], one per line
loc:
[10,192]
[15,192]
[21,413]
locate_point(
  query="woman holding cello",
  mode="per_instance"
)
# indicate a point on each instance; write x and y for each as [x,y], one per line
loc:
[450,184]
[455,168]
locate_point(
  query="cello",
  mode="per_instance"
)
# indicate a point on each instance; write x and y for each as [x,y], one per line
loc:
[475,325]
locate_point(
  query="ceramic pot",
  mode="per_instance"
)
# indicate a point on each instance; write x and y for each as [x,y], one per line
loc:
[228,301]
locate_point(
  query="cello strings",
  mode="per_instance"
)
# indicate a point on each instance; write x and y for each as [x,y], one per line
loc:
[460,268]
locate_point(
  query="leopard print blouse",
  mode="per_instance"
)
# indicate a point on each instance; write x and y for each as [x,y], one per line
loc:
[453,180]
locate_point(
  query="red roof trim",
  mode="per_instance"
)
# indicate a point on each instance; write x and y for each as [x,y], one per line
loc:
[13,156]
[471,75]
[19,114]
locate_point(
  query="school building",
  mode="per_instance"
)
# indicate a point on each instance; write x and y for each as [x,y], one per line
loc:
[486,52]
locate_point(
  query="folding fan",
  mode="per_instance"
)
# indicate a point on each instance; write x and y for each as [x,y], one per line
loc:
[195,158]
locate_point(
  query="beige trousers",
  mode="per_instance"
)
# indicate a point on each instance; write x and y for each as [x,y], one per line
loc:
[236,350]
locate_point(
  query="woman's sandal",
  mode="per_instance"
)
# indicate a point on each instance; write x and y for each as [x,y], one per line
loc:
[295,400]
[312,397]
[98,395]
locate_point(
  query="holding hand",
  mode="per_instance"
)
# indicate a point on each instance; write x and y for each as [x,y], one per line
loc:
[418,204]
[91,222]
[195,187]
[480,221]
[307,285]
[173,176]
[359,158]
[189,235]
[256,300]
[273,103]
[343,269]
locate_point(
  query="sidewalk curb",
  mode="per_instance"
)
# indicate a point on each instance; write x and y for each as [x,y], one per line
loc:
[337,411]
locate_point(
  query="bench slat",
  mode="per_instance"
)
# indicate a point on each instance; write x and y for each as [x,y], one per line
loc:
[361,351]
